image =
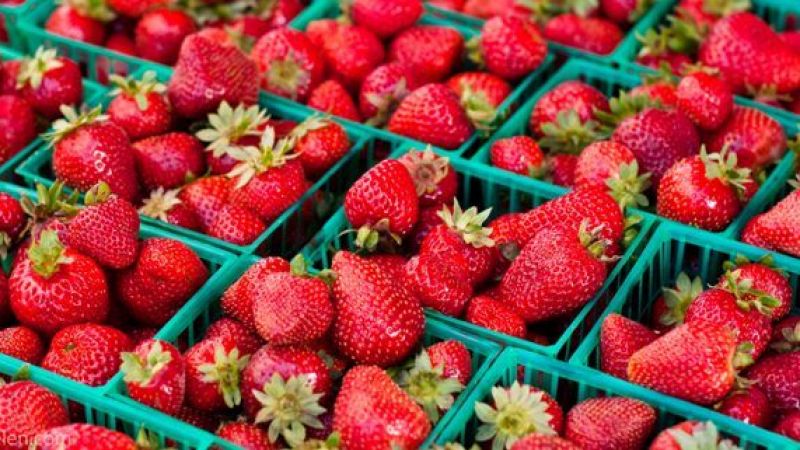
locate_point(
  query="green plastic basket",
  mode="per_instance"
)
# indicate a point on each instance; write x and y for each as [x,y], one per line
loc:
[673,249]
[9,17]
[288,232]
[486,187]
[609,81]
[191,323]
[570,385]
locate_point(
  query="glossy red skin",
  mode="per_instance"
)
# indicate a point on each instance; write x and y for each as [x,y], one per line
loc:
[770,281]
[665,441]
[600,162]
[592,34]
[512,47]
[432,114]
[246,339]
[449,245]
[437,285]
[619,10]
[386,17]
[59,86]
[494,315]
[9,79]
[351,52]
[321,149]
[543,442]
[27,410]
[776,229]
[236,225]
[789,425]
[705,99]
[620,338]
[155,119]
[757,139]
[429,52]
[676,61]
[661,91]
[270,193]
[204,395]
[455,359]
[562,169]
[246,436]
[382,82]
[87,353]
[160,33]
[68,22]
[22,343]
[237,301]
[280,45]
[608,423]
[81,436]
[750,406]
[166,389]
[569,95]
[168,160]
[184,217]
[107,232]
[331,97]
[494,89]
[17,126]
[206,196]
[518,154]
[778,376]
[135,8]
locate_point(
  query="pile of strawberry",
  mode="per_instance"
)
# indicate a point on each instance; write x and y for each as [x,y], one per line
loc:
[754,59]
[595,26]
[297,356]
[83,287]
[524,417]
[732,345]
[702,155]
[777,228]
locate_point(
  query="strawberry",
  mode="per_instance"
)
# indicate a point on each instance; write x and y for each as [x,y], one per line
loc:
[81,436]
[757,139]
[776,229]
[428,219]
[438,374]
[778,376]
[591,34]
[48,82]
[608,164]
[236,225]
[481,94]
[382,90]
[691,433]
[703,191]
[319,143]
[289,64]
[658,91]
[562,169]
[694,361]
[332,98]
[670,308]
[556,273]
[510,47]
[428,51]
[383,200]
[495,315]
[789,425]
[18,125]
[168,160]
[435,179]
[211,69]
[12,222]
[362,293]
[231,127]
[765,279]
[70,22]
[569,95]
[28,409]
[22,343]
[371,411]
[351,52]
[237,299]
[213,374]
[55,286]
[135,8]
[246,339]
[164,276]
[432,114]
[617,423]
[624,11]
[454,358]
[439,282]
[282,388]
[705,99]
[750,406]
[542,442]
[139,106]
[87,353]
[620,338]
[155,375]
[518,154]
[160,33]
[530,411]
[167,207]
[786,335]
[81,140]
[246,436]
[10,70]
[386,17]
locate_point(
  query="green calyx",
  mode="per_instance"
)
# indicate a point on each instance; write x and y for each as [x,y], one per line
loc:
[468,224]
[228,125]
[743,356]
[160,203]
[481,113]
[313,123]
[623,106]
[369,237]
[766,93]
[748,298]
[474,51]
[225,372]
[517,412]
[98,193]
[204,12]
[298,266]
[333,442]
[790,339]
[95,9]
[568,134]
[454,446]
[50,202]
[289,406]
[47,254]
[428,386]
[287,75]
[741,260]
[722,8]
[386,104]
[147,440]
[678,35]
[32,70]
[591,240]
[628,187]
[631,230]
[257,160]
[724,166]
[541,11]
[427,169]
[72,121]
[642,6]
[138,89]
[141,371]
[704,436]
[678,299]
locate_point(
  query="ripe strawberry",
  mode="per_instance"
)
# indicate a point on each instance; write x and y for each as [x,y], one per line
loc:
[435,179]
[766,280]
[786,335]
[135,8]
[10,71]
[213,373]
[659,91]
[48,82]
[332,98]
[246,436]
[670,308]
[694,361]
[382,90]
[569,95]
[22,343]
[699,435]
[237,301]
[55,286]
[612,422]
[236,225]
[591,34]
[623,11]
[454,358]
[383,200]
[620,338]
[561,169]
[789,425]
[610,165]
[351,52]
[480,94]
[73,22]
[432,114]
[211,69]
[229,128]
[81,140]
[81,436]
[778,375]
[320,144]
[12,221]
[511,47]
[394,418]
[282,388]
[87,353]
[757,139]
[439,282]
[167,207]
[386,17]
[750,406]
[428,219]
[705,99]
[542,442]
[246,339]
[518,154]
[160,33]
[556,273]
[168,160]
[429,52]
[155,375]
[17,125]
[165,275]
[289,64]
[363,292]
[28,409]
[495,315]
[139,106]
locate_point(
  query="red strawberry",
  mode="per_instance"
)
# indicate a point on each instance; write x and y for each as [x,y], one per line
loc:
[319,143]
[382,90]
[87,353]
[428,219]
[610,165]
[350,51]
[620,338]
[373,412]
[246,436]
[435,179]
[167,207]
[511,47]
[518,154]
[699,435]
[236,225]
[332,98]
[386,17]
[428,51]
[432,114]
[28,410]
[660,91]
[778,375]
[165,275]
[757,139]
[570,95]
[694,361]
[213,374]
[237,301]
[232,128]
[139,106]
[617,423]
[22,343]
[454,358]
[135,8]
[495,315]
[592,34]
[48,82]
[562,169]
[81,436]
[364,292]
[55,286]
[439,282]
[73,23]
[160,33]
[289,63]
[383,200]
[542,442]
[210,70]
[786,335]
[705,99]
[246,339]
[789,425]
[750,405]
[623,11]
[169,160]
[481,94]
[765,279]
[18,125]
[670,309]
[155,375]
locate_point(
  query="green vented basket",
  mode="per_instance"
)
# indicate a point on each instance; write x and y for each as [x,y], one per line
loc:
[486,187]
[293,228]
[10,16]
[609,81]
[191,322]
[673,249]
[570,385]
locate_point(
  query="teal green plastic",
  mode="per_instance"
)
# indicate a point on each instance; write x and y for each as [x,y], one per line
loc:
[330,8]
[571,384]
[190,324]
[9,17]
[288,232]
[609,81]
[673,249]
[486,187]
